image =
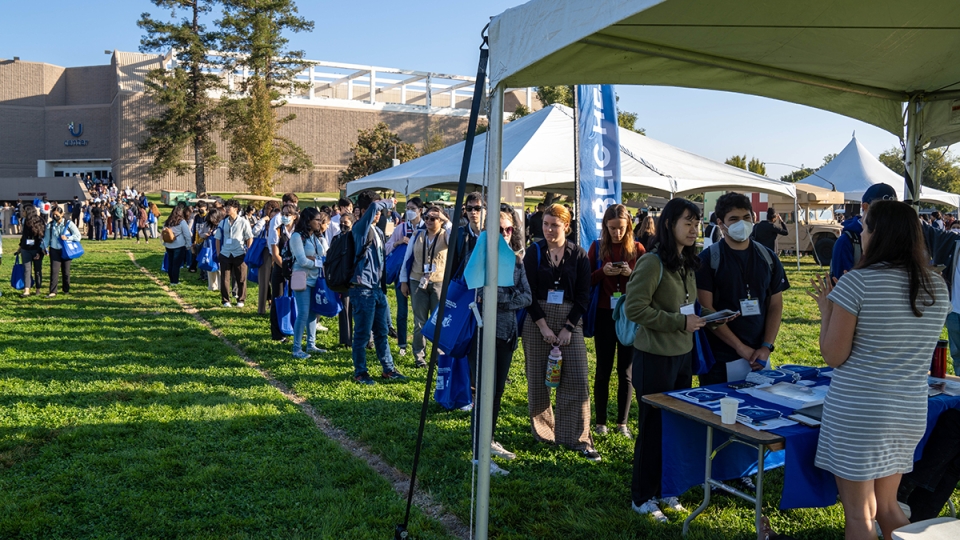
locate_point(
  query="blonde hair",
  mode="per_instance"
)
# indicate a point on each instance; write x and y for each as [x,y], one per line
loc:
[560,212]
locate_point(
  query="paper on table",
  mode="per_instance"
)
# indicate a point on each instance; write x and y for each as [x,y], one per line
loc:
[476,271]
[738,370]
[766,425]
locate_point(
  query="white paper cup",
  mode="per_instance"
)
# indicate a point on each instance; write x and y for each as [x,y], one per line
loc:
[728,410]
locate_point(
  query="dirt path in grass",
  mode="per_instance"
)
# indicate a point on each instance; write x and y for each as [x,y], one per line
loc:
[397,479]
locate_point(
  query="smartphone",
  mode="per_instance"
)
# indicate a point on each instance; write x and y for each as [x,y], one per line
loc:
[620,264]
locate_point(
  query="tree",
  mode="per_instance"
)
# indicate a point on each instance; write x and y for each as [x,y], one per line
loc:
[797,175]
[548,95]
[628,120]
[188,116]
[757,167]
[940,168]
[374,151]
[737,161]
[433,142]
[253,32]
[518,113]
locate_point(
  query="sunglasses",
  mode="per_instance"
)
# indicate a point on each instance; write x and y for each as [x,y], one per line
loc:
[432,218]
[473,208]
[506,230]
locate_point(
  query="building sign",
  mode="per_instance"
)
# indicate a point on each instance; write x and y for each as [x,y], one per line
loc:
[76,131]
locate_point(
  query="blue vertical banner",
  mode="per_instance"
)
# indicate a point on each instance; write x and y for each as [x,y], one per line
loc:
[599,158]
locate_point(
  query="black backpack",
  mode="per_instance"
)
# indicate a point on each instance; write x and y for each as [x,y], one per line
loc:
[286,256]
[341,262]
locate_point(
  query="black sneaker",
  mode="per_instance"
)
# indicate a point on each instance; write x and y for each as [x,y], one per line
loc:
[364,378]
[591,455]
[392,332]
[393,376]
[420,363]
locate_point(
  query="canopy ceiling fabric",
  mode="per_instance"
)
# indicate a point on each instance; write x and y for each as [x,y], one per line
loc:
[538,151]
[855,169]
[857,58]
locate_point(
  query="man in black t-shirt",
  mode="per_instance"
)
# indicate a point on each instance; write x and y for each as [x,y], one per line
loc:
[766,232]
[741,275]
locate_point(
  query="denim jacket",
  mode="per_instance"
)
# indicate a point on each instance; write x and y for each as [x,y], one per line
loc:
[370,258]
[51,238]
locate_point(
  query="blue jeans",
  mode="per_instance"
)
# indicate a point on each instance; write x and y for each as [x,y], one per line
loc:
[305,319]
[369,314]
[953,335]
[402,318]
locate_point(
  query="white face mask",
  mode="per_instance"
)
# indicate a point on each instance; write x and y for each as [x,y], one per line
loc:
[412,215]
[740,231]
[286,220]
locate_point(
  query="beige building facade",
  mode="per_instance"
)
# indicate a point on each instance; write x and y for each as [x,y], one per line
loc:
[57,122]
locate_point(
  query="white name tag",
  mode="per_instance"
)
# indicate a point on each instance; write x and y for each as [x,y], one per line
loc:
[749,307]
[428,269]
[30,242]
[613,300]
[686,309]
[229,241]
[554,297]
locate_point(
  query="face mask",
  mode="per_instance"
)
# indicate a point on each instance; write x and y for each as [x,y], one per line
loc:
[740,231]
[412,215]
[286,220]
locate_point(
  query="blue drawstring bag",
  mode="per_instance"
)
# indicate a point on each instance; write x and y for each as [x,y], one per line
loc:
[394,264]
[254,255]
[18,275]
[14,220]
[453,382]
[207,258]
[164,267]
[86,217]
[71,249]
[286,311]
[253,276]
[103,233]
[590,317]
[458,324]
[324,301]
[134,229]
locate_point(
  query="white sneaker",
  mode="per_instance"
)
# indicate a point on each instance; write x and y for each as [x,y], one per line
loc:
[227,304]
[673,503]
[239,304]
[495,469]
[501,452]
[322,328]
[650,507]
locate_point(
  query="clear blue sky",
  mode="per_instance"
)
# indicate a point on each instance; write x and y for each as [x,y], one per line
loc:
[443,36]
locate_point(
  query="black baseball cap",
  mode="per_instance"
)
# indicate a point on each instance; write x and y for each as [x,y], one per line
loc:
[879,192]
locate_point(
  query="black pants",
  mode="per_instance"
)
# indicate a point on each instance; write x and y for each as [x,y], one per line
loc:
[503,357]
[653,374]
[608,346]
[32,268]
[233,268]
[175,258]
[718,373]
[345,320]
[57,265]
[276,284]
[98,230]
[933,479]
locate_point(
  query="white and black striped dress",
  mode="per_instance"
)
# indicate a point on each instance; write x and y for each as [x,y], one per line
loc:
[876,410]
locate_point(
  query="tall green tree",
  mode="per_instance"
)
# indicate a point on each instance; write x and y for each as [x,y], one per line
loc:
[253,35]
[374,152]
[757,167]
[188,116]
[737,161]
[940,168]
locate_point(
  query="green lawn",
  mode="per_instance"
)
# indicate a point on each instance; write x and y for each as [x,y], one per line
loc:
[122,416]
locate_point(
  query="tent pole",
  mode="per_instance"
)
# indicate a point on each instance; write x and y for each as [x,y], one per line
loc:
[576,164]
[796,227]
[913,158]
[488,352]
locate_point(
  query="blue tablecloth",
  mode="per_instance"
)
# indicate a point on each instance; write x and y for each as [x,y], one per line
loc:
[804,485]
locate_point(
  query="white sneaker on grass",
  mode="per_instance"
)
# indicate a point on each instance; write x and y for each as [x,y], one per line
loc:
[501,452]
[227,304]
[495,469]
[322,328]
[673,503]
[239,304]
[650,508]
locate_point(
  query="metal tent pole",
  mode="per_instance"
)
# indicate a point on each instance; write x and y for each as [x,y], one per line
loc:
[913,158]
[488,352]
[576,164]
[796,227]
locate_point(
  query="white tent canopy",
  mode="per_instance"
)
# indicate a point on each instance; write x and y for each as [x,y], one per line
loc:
[855,169]
[538,151]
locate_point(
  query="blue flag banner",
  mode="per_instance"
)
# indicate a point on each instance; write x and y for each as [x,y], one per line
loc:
[599,158]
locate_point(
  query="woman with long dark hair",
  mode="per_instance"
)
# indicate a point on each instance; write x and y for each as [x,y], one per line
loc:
[177,249]
[647,233]
[308,249]
[660,297]
[287,223]
[59,230]
[892,309]
[612,266]
[31,249]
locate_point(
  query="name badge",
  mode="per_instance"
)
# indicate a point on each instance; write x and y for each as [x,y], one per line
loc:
[424,281]
[30,242]
[687,309]
[750,306]
[428,268]
[614,299]
[229,241]
[554,297]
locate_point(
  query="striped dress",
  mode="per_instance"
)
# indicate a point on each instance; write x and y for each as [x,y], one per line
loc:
[876,410]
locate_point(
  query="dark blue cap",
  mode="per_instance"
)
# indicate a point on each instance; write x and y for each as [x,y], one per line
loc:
[879,192]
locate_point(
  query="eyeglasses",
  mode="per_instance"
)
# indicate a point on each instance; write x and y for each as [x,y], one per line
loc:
[506,230]
[473,208]
[432,218]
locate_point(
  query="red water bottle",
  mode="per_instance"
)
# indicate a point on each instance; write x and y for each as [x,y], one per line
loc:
[938,367]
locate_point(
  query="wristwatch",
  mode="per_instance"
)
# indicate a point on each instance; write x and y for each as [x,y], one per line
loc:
[569,327]
[767,345]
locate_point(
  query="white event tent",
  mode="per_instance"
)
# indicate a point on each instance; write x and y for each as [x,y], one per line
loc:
[855,169]
[538,151]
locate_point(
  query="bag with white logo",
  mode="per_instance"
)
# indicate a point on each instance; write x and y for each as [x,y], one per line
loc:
[458,325]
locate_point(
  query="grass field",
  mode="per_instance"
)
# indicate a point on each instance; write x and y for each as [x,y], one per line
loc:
[121,416]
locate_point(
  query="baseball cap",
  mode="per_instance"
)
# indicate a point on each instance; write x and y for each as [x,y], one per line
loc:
[879,192]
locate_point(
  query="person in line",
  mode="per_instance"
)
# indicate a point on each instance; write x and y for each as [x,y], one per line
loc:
[766,232]
[286,222]
[534,225]
[76,210]
[401,237]
[265,292]
[345,318]
[509,301]
[31,249]
[367,298]
[612,260]
[927,488]
[204,231]
[711,232]
[177,249]
[741,275]
[308,248]
[424,281]
[936,220]
[154,233]
[848,248]
[142,223]
[59,230]
[646,233]
[879,326]
[118,213]
[233,236]
[660,299]
[559,274]
[474,212]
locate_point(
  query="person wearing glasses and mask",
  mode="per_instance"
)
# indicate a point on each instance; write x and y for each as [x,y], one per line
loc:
[401,237]
[473,211]
[423,283]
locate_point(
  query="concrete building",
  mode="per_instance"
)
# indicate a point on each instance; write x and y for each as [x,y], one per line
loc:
[57,122]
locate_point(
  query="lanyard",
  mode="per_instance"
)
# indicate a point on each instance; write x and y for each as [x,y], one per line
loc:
[433,251]
[739,265]
[683,277]
[556,269]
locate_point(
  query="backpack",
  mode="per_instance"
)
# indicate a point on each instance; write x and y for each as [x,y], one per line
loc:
[167,235]
[341,263]
[715,255]
[857,250]
[286,256]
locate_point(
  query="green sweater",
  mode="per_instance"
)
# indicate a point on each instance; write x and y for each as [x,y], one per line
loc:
[654,303]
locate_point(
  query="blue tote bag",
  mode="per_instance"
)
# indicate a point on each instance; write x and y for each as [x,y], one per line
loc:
[207,258]
[71,249]
[324,301]
[17,277]
[253,276]
[254,256]
[453,382]
[458,325]
[164,266]
[394,263]
[286,311]
[590,317]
